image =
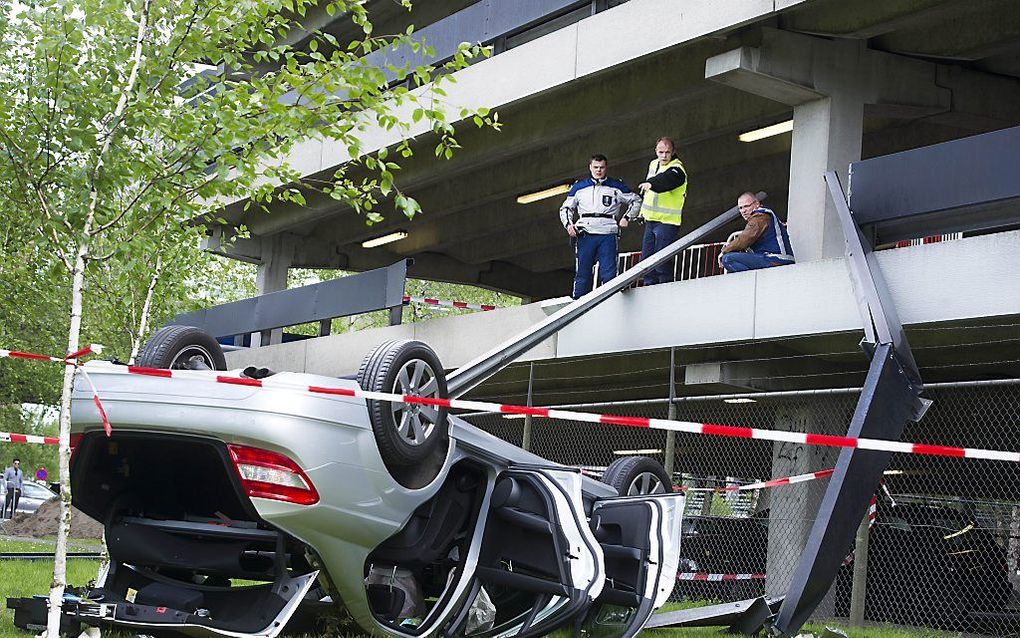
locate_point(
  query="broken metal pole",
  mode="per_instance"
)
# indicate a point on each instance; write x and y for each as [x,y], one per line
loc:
[670,453]
[526,436]
[889,398]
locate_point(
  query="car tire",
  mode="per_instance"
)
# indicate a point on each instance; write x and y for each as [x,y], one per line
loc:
[637,475]
[181,348]
[406,434]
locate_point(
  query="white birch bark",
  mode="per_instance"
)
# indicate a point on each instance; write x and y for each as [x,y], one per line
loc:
[73,337]
[74,334]
[143,321]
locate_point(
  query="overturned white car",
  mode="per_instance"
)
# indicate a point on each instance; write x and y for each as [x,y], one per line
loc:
[234,510]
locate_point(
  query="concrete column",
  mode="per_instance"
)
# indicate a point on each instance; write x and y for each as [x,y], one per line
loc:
[827,83]
[826,136]
[793,508]
[271,276]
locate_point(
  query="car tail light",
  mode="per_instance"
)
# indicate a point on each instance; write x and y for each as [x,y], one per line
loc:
[271,475]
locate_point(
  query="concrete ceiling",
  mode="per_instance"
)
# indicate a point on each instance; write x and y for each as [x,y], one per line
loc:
[472,230]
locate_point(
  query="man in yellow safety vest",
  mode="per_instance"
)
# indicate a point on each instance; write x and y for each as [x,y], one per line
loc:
[664,192]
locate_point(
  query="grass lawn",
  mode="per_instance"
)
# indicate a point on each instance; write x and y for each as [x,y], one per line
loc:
[29,578]
[47,544]
[24,578]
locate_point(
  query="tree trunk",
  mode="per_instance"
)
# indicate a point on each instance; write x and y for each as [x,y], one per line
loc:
[143,321]
[60,558]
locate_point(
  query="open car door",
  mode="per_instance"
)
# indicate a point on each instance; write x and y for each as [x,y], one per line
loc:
[640,539]
[539,565]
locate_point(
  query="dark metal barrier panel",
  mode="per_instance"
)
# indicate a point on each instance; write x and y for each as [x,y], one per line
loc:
[883,410]
[364,292]
[965,184]
[890,397]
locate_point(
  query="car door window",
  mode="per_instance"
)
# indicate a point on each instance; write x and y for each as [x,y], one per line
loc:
[31,490]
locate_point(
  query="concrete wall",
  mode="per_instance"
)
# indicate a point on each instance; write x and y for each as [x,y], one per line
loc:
[955,280]
[947,281]
[456,339]
[607,39]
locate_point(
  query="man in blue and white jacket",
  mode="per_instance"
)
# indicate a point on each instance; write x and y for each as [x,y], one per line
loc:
[593,214]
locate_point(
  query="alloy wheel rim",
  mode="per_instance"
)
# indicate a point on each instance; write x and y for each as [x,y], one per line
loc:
[188,357]
[415,423]
[645,483]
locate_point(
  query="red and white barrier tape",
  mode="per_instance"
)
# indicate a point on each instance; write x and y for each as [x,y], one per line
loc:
[69,360]
[428,301]
[717,578]
[11,437]
[786,480]
[872,515]
[92,348]
[95,400]
[688,427]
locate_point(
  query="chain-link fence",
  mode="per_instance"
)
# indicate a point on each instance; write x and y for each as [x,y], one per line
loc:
[942,552]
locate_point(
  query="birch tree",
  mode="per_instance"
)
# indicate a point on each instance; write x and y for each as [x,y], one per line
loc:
[119,117]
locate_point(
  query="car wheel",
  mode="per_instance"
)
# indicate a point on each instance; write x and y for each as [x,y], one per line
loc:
[406,434]
[637,475]
[181,348]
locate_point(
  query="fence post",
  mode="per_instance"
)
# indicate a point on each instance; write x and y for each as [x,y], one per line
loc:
[671,415]
[526,438]
[860,584]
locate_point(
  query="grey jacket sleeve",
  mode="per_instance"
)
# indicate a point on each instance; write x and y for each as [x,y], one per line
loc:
[633,204]
[568,210]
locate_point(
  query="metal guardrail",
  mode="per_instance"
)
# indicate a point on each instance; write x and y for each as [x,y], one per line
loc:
[45,556]
[702,260]
[379,289]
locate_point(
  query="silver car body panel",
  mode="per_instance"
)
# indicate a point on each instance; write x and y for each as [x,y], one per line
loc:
[330,437]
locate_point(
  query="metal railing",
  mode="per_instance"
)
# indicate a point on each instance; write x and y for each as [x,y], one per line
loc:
[702,260]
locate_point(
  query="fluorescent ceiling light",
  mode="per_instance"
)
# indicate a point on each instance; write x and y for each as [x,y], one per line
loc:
[633,452]
[739,400]
[893,472]
[768,131]
[514,416]
[549,192]
[385,239]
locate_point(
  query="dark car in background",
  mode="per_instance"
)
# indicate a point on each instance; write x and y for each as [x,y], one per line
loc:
[927,565]
[734,546]
[955,569]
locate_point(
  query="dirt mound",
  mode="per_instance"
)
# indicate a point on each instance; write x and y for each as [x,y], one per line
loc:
[44,523]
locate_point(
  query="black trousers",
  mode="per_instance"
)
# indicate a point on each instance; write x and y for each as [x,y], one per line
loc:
[13,496]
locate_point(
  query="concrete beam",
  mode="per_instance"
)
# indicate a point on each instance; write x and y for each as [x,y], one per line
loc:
[795,69]
[972,278]
[865,19]
[973,31]
[636,29]
[744,70]
[828,83]
[775,373]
